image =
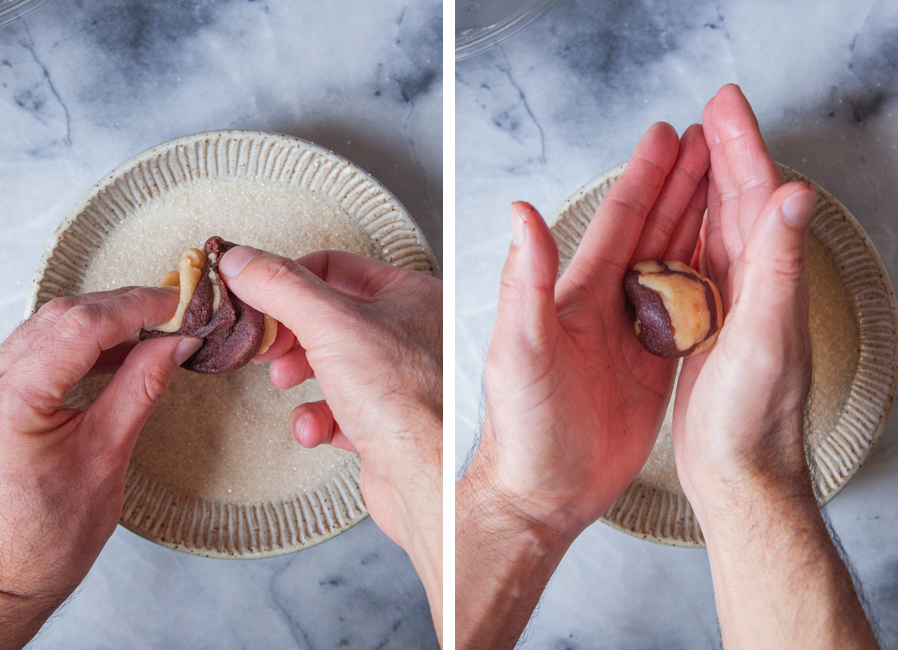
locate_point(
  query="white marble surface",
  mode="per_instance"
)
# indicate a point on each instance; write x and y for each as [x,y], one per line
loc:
[84,86]
[568,98]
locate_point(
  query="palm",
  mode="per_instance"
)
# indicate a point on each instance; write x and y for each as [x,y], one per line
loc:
[620,389]
[572,397]
[743,177]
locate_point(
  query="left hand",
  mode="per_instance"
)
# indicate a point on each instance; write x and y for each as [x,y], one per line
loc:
[574,402]
[62,470]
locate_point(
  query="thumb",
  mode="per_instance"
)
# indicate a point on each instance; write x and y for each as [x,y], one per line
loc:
[282,288]
[774,258]
[527,307]
[134,391]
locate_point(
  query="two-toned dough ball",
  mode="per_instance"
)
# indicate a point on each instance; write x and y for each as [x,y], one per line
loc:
[678,311]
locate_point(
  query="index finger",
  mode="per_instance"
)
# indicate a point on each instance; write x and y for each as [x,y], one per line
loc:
[38,324]
[613,233]
[353,274]
[64,354]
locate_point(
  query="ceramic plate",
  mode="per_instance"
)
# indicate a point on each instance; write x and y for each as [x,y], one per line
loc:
[215,471]
[853,324]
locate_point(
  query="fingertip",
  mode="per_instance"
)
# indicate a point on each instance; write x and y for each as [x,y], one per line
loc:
[291,369]
[170,290]
[284,341]
[236,259]
[694,140]
[534,252]
[663,130]
[312,424]
[776,250]
[693,132]
[797,207]
[663,137]
[186,348]
[301,432]
[518,218]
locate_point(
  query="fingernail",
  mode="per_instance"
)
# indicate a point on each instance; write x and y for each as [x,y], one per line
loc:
[517,219]
[300,429]
[797,209]
[234,261]
[186,349]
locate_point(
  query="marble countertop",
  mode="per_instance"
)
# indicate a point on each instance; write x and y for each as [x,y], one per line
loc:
[568,98]
[85,86]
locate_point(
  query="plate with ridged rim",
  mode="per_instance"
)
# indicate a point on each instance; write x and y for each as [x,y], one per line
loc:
[157,511]
[664,515]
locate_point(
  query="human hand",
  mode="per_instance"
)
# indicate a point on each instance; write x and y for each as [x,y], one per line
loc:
[739,407]
[371,334]
[574,402]
[738,423]
[62,470]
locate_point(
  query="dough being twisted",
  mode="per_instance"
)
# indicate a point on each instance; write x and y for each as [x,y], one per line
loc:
[233,331]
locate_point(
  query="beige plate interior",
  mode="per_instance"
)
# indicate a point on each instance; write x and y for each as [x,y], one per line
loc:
[853,323]
[244,489]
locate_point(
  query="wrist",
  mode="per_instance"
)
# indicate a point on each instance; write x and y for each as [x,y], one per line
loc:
[729,509]
[779,581]
[504,560]
[21,617]
[732,483]
[426,554]
[484,509]
[488,487]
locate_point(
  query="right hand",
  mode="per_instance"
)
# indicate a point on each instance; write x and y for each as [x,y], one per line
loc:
[738,425]
[574,402]
[371,334]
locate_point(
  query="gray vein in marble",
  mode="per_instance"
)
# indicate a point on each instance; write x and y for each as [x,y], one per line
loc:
[719,22]
[506,69]
[35,106]
[285,609]
[420,43]
[419,39]
[140,37]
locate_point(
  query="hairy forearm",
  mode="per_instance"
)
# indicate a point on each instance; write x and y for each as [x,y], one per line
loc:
[779,580]
[21,618]
[426,553]
[503,564]
[417,489]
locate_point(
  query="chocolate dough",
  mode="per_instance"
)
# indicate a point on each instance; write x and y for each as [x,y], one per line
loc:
[232,333]
[694,301]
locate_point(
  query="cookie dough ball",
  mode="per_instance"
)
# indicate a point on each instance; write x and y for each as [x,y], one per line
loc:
[678,311]
[232,330]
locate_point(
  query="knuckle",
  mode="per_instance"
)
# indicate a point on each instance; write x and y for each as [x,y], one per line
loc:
[155,384]
[274,273]
[82,320]
[788,269]
[56,308]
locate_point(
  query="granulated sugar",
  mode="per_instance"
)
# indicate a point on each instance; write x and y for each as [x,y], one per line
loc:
[225,437]
[264,214]
[835,340]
